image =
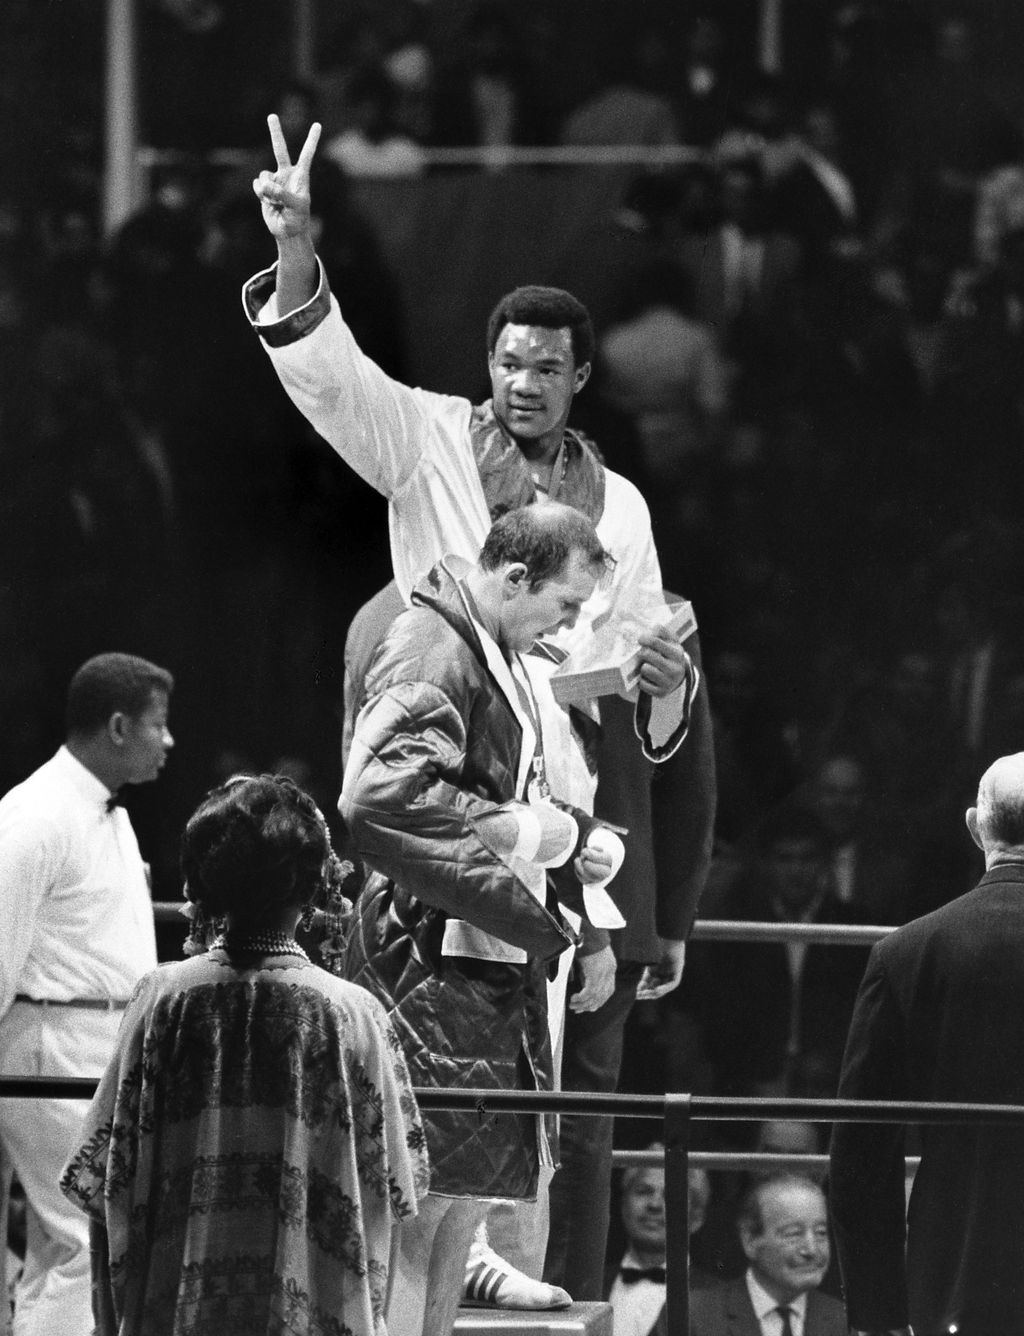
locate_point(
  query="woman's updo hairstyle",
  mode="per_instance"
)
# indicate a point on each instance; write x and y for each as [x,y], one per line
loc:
[253,845]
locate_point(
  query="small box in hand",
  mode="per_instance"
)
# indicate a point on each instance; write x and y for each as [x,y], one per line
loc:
[609,663]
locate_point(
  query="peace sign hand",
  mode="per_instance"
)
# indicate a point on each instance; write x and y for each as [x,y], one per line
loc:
[284,193]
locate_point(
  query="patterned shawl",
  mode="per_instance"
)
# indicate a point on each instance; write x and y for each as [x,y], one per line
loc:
[250,1150]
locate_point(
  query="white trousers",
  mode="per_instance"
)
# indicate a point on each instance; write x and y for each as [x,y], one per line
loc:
[38,1136]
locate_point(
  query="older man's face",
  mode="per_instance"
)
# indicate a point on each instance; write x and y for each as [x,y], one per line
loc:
[643,1210]
[791,1253]
[795,865]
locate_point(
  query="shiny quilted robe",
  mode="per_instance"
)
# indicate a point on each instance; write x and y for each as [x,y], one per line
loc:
[435,747]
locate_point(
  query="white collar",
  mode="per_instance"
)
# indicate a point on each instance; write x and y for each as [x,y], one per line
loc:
[629,1258]
[765,1304]
[83,779]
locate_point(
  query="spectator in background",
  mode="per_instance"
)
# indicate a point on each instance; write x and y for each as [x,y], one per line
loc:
[756,760]
[745,275]
[898,721]
[783,1227]
[757,126]
[719,1247]
[977,390]
[227,1191]
[87,508]
[913,282]
[999,203]
[947,132]
[868,858]
[351,42]
[408,60]
[864,52]
[636,1288]
[702,89]
[814,198]
[662,368]
[781,1136]
[78,935]
[627,102]
[782,1033]
[547,54]
[478,91]
[372,141]
[971,594]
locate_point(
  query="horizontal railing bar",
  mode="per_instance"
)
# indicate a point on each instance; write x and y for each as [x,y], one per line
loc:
[47,1087]
[711,1108]
[721,930]
[707,1108]
[804,1162]
[750,930]
[611,155]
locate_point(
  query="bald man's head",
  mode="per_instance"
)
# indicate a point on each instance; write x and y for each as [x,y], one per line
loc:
[996,822]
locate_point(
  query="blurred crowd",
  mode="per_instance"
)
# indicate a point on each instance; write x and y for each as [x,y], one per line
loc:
[809,360]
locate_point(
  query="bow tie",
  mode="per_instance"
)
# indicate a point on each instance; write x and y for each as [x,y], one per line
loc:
[115,800]
[629,1275]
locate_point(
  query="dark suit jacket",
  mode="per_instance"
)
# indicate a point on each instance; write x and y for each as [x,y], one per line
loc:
[669,811]
[726,1310]
[746,1026]
[703,258]
[939,1016]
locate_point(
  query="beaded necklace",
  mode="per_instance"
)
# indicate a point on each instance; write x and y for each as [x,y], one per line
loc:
[259,944]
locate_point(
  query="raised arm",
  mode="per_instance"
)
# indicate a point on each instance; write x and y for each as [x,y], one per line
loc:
[285,201]
[398,439]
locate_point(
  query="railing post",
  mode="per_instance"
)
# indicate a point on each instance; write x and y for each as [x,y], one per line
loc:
[677,1215]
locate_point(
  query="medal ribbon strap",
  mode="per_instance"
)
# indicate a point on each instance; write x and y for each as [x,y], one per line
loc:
[537,785]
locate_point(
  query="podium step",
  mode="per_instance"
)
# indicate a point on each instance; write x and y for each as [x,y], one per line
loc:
[582,1319]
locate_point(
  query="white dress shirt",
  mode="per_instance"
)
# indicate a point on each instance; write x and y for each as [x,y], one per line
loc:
[766,1309]
[635,1307]
[74,899]
[743,261]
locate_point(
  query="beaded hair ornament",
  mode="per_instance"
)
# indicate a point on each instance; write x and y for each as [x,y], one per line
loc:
[329,923]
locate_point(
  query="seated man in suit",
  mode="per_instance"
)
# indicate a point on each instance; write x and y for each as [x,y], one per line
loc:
[636,1289]
[783,1227]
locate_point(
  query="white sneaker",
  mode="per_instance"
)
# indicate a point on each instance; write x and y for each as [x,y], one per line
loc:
[491,1282]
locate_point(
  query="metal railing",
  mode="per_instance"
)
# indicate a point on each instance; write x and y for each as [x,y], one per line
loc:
[676,1113]
[704,930]
[485,157]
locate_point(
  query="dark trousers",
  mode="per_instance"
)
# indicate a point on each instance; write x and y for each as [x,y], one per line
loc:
[581,1188]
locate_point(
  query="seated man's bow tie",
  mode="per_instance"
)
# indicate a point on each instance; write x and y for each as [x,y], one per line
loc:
[629,1275]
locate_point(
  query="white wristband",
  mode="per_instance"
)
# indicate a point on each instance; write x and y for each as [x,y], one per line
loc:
[567,832]
[528,836]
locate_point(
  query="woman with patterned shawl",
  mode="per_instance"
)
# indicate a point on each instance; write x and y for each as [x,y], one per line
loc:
[255,1143]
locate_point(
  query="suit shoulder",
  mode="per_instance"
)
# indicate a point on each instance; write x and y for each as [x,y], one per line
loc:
[713,1300]
[947,921]
[826,1315]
